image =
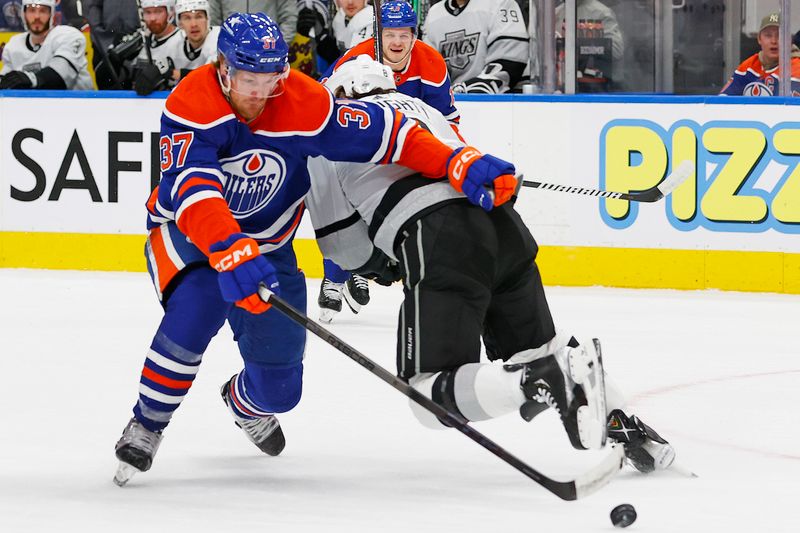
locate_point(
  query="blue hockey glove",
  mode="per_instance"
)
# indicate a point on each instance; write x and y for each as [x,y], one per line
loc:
[241,269]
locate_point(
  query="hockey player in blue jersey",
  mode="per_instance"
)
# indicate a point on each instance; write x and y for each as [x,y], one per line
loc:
[235,136]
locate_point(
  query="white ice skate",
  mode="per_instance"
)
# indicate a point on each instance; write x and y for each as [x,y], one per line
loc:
[571,382]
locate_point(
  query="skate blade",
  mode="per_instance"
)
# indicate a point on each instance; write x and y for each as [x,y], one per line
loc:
[354,306]
[326,315]
[124,474]
[680,469]
[586,369]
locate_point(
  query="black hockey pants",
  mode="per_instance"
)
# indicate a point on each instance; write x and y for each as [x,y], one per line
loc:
[468,274]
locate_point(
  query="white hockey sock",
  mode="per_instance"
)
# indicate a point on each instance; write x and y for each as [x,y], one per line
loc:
[480,391]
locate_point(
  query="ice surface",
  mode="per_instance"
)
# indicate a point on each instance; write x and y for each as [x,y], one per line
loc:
[716,373]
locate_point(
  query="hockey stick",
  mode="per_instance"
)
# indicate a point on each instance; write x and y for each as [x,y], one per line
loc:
[653,194]
[584,485]
[377,29]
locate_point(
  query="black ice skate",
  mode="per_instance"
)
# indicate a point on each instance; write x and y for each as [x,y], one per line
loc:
[645,449]
[356,292]
[571,382]
[329,300]
[135,450]
[265,432]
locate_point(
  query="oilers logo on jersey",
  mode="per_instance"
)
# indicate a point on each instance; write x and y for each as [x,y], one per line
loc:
[458,48]
[251,180]
[760,88]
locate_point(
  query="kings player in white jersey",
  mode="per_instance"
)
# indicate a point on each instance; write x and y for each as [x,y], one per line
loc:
[155,65]
[45,56]
[200,39]
[483,42]
[469,275]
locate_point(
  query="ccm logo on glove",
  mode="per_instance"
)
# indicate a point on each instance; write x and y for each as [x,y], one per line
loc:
[242,269]
[459,166]
[228,259]
[485,180]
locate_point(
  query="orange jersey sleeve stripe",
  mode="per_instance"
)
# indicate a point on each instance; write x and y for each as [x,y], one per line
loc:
[163,380]
[390,149]
[151,201]
[207,222]
[457,132]
[425,153]
[191,182]
[166,268]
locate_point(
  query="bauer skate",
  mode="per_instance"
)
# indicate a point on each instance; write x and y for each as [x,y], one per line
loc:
[329,300]
[356,292]
[135,450]
[571,382]
[265,432]
[645,450]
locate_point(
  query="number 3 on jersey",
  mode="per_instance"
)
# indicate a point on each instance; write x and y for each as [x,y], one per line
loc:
[182,141]
[348,114]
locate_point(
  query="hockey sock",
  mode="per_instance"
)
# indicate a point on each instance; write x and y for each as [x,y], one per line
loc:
[258,391]
[168,373]
[475,391]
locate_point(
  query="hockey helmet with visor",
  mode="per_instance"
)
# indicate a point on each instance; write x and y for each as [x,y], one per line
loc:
[255,53]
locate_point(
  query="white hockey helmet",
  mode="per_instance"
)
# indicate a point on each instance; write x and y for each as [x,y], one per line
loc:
[360,76]
[169,4]
[184,6]
[49,3]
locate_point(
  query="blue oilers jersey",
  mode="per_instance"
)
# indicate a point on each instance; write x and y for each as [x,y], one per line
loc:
[752,79]
[257,171]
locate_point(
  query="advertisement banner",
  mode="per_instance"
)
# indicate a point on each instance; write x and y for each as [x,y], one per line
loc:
[743,195]
[84,166]
[78,165]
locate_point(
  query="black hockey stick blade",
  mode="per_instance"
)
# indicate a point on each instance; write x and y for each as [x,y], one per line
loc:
[653,194]
[584,485]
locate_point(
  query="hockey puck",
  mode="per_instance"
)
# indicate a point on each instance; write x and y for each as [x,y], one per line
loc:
[623,515]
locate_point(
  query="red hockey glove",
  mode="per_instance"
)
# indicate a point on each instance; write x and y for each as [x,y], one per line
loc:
[241,269]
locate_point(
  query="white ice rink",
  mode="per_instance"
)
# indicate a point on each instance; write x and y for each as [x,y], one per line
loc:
[716,373]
